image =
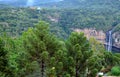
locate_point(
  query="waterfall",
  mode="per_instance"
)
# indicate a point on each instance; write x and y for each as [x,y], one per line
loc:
[30,2]
[110,41]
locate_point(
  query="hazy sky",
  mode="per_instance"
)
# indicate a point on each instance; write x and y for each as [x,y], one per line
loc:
[33,0]
[30,2]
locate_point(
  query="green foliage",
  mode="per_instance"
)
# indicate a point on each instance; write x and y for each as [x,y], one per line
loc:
[15,59]
[44,48]
[117,28]
[39,51]
[79,52]
[115,71]
[110,59]
[3,59]
[14,21]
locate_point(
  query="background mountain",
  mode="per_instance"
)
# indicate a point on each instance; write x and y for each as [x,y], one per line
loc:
[64,16]
[28,2]
[62,3]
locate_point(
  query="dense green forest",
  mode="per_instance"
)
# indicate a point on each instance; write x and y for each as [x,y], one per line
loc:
[16,20]
[64,3]
[39,53]
[38,41]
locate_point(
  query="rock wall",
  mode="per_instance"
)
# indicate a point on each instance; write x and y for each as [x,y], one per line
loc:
[116,39]
[93,33]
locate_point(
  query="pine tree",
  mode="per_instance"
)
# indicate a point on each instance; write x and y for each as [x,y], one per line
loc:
[3,59]
[43,47]
[4,62]
[79,51]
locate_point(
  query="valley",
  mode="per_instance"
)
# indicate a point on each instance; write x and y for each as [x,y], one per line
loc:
[59,38]
[18,20]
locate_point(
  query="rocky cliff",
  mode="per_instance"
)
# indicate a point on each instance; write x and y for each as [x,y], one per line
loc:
[116,39]
[100,35]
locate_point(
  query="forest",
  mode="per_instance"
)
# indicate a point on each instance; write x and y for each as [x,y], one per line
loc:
[16,20]
[39,53]
[40,41]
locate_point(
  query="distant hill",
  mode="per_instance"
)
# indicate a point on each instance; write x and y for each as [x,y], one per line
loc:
[28,2]
[88,3]
[62,3]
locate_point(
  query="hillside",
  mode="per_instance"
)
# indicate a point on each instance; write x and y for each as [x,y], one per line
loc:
[21,3]
[19,19]
[63,19]
[64,3]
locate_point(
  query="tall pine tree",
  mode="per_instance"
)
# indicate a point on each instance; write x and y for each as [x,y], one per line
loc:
[44,48]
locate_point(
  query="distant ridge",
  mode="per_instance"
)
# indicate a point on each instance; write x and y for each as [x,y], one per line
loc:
[24,2]
[63,3]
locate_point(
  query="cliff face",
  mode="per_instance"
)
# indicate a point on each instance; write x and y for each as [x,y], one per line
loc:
[93,33]
[116,39]
[100,35]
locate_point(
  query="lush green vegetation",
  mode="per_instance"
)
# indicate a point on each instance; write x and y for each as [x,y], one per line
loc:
[29,48]
[14,21]
[115,71]
[38,52]
[117,28]
[65,3]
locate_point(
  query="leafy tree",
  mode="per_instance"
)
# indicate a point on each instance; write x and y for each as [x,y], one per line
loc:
[111,59]
[115,71]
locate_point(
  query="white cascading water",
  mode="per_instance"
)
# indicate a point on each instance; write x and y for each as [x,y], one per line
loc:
[30,2]
[110,41]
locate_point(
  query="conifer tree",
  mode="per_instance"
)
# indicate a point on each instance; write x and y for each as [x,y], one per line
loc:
[79,52]
[44,48]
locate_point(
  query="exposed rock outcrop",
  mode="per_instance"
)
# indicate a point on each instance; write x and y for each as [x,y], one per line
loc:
[116,39]
[91,32]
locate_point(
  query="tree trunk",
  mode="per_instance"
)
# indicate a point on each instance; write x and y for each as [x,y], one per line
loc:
[76,71]
[42,69]
[76,67]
